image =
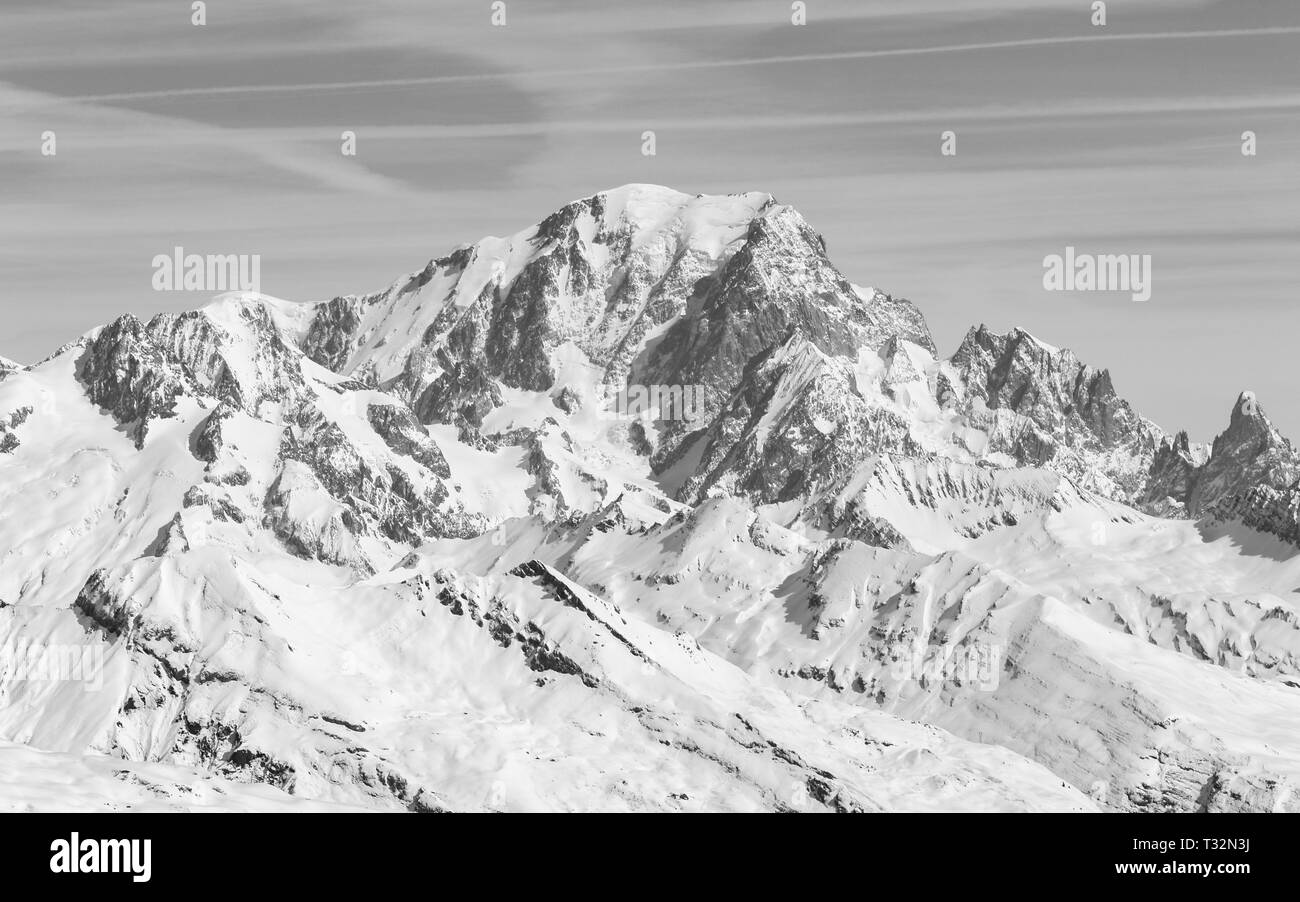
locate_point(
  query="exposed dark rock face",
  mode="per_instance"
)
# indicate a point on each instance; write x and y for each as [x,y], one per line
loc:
[1173,470]
[208,440]
[1062,395]
[136,371]
[731,324]
[1251,474]
[461,391]
[405,435]
[387,500]
[595,277]
[796,429]
[129,375]
[9,426]
[778,283]
[1070,410]
[1249,453]
[335,333]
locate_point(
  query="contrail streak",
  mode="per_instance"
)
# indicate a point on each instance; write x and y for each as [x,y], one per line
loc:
[167,93]
[245,137]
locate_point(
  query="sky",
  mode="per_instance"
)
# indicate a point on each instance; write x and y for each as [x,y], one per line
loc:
[1126,138]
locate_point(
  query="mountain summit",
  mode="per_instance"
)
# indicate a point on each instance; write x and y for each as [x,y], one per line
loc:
[314,552]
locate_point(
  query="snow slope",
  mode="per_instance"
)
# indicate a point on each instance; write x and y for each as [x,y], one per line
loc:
[405,550]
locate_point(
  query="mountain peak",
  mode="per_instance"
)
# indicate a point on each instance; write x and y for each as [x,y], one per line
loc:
[1247,408]
[1024,335]
[271,547]
[1249,430]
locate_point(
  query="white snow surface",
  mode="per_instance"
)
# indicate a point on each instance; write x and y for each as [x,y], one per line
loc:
[277,626]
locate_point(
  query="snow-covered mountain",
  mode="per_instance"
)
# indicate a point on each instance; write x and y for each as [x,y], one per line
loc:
[417,549]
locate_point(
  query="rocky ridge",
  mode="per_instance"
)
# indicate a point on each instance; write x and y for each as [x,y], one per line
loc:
[321,547]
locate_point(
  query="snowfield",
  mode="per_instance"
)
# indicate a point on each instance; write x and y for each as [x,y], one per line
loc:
[401,551]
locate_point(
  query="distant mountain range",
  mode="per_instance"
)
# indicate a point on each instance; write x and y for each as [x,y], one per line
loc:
[407,550]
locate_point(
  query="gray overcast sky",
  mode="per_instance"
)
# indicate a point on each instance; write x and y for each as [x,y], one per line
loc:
[1067,134]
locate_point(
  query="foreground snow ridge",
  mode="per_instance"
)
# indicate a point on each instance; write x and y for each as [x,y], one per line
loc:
[405,550]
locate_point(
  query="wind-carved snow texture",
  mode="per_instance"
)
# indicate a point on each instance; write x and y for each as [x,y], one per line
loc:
[404,550]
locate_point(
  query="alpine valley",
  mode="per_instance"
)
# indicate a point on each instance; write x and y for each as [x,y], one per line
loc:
[409,550]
